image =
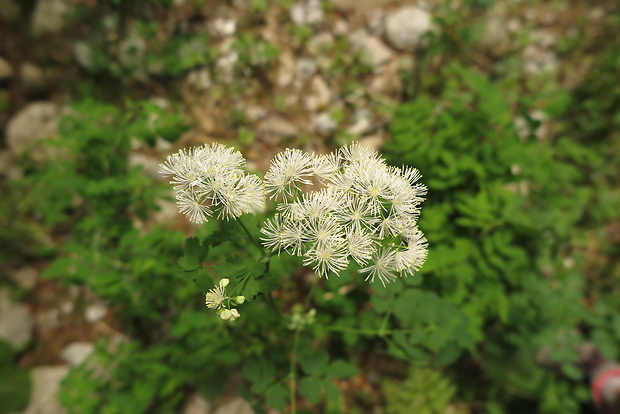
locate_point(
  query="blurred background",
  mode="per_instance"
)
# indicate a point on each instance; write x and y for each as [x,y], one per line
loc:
[509,108]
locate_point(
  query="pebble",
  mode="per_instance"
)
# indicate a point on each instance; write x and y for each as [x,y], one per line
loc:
[197,405]
[406,27]
[199,79]
[274,128]
[223,27]
[15,321]
[6,71]
[376,52]
[319,96]
[307,12]
[45,385]
[236,406]
[49,17]
[32,78]
[35,122]
[76,352]
[95,313]
[25,277]
[306,68]
[324,124]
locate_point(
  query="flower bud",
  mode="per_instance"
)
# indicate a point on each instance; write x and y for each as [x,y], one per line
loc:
[240,299]
[234,314]
[224,282]
[226,314]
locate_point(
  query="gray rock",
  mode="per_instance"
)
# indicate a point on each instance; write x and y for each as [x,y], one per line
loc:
[47,321]
[319,42]
[274,128]
[44,396]
[537,59]
[35,122]
[223,27]
[236,406]
[324,124]
[9,11]
[362,123]
[406,27]
[374,49]
[286,69]
[307,12]
[95,313]
[83,54]
[49,17]
[199,79]
[15,321]
[25,277]
[255,112]
[319,96]
[495,35]
[197,405]
[6,71]
[76,352]
[306,68]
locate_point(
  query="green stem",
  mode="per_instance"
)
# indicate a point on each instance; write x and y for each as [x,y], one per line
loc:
[257,244]
[292,375]
[381,332]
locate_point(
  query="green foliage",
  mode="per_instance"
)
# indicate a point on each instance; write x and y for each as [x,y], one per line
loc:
[254,53]
[424,391]
[136,378]
[14,382]
[498,240]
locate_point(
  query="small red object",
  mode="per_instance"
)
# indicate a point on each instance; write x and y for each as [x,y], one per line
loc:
[597,389]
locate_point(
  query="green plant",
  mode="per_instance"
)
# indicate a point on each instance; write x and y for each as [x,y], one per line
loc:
[14,382]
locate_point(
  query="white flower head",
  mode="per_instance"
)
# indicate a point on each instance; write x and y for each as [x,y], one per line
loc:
[215,298]
[210,179]
[288,170]
[367,212]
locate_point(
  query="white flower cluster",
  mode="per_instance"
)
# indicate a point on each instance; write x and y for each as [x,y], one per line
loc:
[216,299]
[367,212]
[210,179]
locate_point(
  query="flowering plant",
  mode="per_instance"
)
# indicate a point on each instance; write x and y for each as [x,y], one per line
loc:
[363,210]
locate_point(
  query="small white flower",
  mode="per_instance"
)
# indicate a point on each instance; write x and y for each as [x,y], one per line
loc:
[360,246]
[358,153]
[288,170]
[195,207]
[214,299]
[356,213]
[325,166]
[382,267]
[224,282]
[327,257]
[209,179]
[276,237]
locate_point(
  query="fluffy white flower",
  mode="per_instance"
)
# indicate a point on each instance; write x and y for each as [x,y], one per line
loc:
[288,170]
[382,267]
[366,213]
[210,179]
[214,299]
[327,257]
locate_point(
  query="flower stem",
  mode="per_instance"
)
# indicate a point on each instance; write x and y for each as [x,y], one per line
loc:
[257,244]
[292,375]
